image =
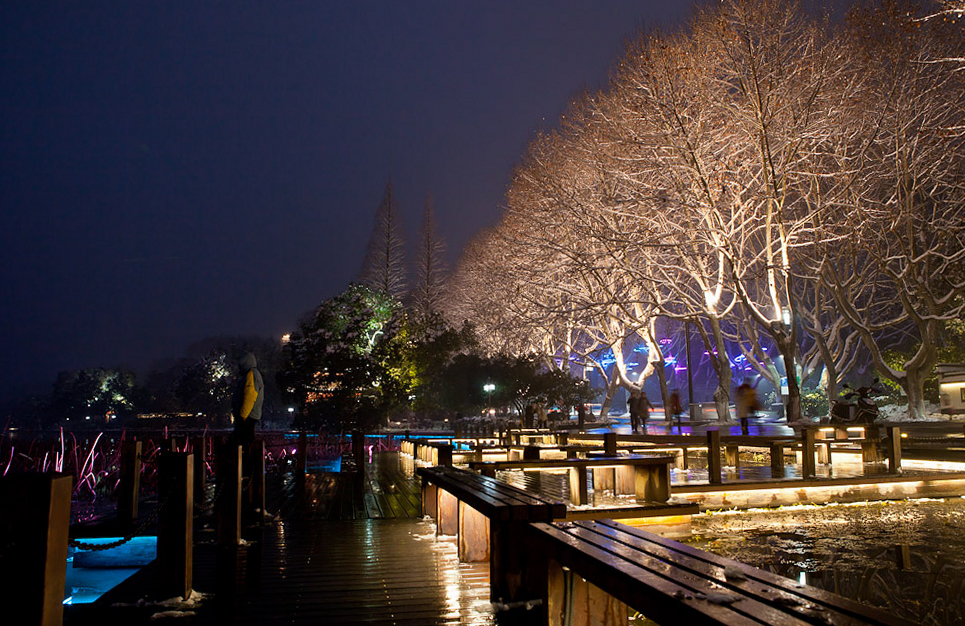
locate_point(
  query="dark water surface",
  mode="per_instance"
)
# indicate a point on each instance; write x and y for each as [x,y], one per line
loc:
[906,557]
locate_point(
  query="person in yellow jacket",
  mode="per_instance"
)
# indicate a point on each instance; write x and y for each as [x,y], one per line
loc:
[248,398]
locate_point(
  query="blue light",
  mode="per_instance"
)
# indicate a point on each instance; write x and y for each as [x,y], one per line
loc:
[92,574]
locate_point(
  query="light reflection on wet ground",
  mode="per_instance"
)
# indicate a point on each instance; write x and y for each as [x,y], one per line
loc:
[907,557]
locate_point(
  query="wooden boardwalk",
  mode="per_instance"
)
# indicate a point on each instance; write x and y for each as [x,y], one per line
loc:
[346,549]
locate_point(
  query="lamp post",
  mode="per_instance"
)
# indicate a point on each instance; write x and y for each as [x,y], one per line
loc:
[489,388]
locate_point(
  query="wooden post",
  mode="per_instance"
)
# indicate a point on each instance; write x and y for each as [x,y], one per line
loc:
[445,455]
[574,600]
[777,460]
[35,521]
[579,494]
[129,490]
[256,486]
[175,524]
[200,469]
[713,457]
[301,458]
[473,533]
[894,449]
[604,478]
[531,453]
[869,447]
[732,455]
[229,499]
[562,438]
[823,449]
[807,453]
[610,444]
[841,433]
[447,513]
[358,448]
[517,571]
[652,482]
[430,498]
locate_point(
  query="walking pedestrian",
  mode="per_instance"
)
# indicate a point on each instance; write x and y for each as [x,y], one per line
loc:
[639,406]
[675,408]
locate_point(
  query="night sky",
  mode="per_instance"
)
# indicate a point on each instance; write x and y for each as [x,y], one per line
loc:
[171,171]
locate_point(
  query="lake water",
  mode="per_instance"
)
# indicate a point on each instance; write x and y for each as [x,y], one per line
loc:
[905,557]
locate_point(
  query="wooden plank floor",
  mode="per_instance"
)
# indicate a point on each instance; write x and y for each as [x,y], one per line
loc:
[368,571]
[347,549]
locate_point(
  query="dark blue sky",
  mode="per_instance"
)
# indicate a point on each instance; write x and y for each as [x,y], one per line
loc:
[176,170]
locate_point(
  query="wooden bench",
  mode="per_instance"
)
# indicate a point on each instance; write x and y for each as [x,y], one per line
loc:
[604,567]
[434,452]
[648,477]
[488,518]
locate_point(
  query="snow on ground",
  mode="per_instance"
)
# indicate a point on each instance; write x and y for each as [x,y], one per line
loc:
[899,413]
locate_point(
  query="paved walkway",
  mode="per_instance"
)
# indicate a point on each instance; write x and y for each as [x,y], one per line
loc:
[341,551]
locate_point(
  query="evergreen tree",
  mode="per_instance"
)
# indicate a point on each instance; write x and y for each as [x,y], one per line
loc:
[428,292]
[384,266]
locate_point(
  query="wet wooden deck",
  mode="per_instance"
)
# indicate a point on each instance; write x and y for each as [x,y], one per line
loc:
[347,549]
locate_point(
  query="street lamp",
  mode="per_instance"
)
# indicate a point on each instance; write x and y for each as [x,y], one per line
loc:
[489,388]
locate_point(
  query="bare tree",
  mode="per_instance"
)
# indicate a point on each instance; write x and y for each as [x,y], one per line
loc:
[384,265]
[907,211]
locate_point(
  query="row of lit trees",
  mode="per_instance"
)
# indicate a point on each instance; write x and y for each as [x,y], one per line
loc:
[769,178]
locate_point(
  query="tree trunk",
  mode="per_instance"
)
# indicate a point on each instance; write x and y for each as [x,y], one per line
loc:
[661,372]
[721,366]
[722,400]
[611,391]
[914,387]
[787,346]
[918,368]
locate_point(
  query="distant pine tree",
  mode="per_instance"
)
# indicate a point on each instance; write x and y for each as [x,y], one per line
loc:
[384,266]
[427,293]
